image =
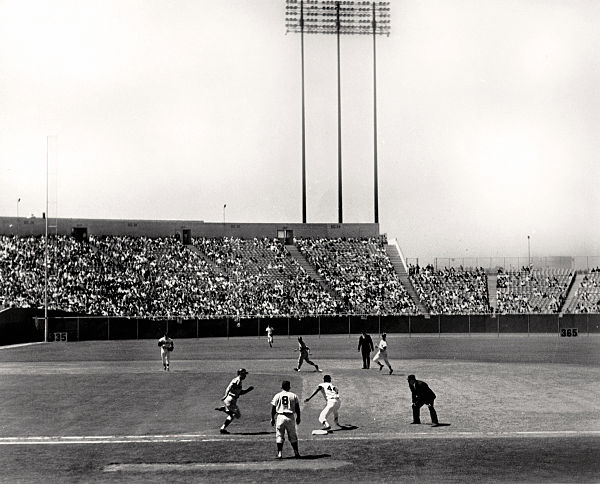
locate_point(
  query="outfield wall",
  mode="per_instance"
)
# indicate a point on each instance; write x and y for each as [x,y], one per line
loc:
[105,328]
[165,228]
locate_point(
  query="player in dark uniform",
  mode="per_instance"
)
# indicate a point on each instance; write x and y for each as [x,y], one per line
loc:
[365,345]
[422,395]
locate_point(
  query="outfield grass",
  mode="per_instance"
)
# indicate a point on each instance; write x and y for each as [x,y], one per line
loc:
[519,409]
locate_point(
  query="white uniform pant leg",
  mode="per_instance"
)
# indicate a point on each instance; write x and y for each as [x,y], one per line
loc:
[332,406]
[283,424]
[165,356]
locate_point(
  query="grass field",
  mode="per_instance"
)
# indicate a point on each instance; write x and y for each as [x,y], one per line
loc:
[519,409]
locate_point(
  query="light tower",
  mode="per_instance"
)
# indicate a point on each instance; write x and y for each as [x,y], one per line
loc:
[339,18]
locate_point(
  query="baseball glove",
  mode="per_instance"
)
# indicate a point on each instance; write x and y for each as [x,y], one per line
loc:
[170,347]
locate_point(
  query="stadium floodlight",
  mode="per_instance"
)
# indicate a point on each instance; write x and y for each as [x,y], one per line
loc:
[339,18]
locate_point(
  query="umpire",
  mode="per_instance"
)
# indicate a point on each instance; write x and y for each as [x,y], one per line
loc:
[365,345]
[422,395]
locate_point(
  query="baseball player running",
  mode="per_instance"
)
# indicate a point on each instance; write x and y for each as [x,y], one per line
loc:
[304,352]
[382,354]
[283,407]
[232,393]
[332,399]
[166,346]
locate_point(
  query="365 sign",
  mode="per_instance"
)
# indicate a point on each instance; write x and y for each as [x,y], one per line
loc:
[568,332]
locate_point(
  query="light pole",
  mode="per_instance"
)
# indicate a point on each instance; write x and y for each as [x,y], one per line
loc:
[529,252]
[339,18]
[224,207]
[18,201]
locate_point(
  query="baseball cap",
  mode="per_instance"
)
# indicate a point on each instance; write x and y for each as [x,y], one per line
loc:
[242,371]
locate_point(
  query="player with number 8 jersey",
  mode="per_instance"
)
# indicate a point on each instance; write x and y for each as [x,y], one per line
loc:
[283,407]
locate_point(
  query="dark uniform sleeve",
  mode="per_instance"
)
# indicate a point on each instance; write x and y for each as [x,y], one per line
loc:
[423,392]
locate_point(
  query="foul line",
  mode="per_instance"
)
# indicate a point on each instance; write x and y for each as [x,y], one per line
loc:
[309,464]
[175,438]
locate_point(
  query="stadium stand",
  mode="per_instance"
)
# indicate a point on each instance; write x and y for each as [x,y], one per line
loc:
[586,297]
[451,291]
[154,277]
[360,273]
[533,290]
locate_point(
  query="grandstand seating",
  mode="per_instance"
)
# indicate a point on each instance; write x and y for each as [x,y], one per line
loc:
[533,290]
[360,272]
[160,277]
[451,291]
[587,295]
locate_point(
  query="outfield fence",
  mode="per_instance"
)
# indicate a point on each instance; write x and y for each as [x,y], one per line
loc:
[85,328]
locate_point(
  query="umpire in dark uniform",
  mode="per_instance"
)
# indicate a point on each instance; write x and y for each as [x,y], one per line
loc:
[421,395]
[365,345]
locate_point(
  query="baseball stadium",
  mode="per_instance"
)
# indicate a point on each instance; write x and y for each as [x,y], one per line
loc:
[160,323]
[87,399]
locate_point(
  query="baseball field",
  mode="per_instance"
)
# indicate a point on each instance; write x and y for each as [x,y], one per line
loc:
[514,408]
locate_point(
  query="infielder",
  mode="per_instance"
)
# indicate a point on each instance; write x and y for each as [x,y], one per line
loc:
[283,407]
[232,393]
[304,352]
[166,346]
[269,331]
[332,399]
[422,395]
[382,354]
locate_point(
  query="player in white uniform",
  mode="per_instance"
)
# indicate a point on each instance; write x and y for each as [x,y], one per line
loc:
[166,346]
[232,393]
[382,354]
[283,407]
[269,331]
[332,399]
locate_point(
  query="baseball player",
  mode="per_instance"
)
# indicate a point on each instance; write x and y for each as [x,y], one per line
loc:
[422,395]
[304,352]
[166,347]
[283,407]
[232,393]
[382,354]
[269,331]
[332,399]
[365,346]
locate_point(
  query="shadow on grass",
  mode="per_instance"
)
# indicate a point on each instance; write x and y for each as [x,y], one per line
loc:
[442,425]
[311,457]
[252,433]
[343,428]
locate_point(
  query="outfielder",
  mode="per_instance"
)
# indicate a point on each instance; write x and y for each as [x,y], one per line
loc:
[332,399]
[269,331]
[422,395]
[382,354]
[304,352]
[232,393]
[166,346]
[283,407]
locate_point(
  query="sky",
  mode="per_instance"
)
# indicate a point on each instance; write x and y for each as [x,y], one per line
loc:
[488,116]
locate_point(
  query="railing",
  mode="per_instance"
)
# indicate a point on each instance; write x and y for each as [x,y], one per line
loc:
[577,263]
[118,328]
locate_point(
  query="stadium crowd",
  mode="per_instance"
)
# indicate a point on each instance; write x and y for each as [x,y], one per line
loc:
[360,273]
[532,290]
[587,295]
[156,277]
[160,277]
[451,290]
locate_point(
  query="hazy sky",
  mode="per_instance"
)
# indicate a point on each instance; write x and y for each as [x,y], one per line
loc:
[488,118]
